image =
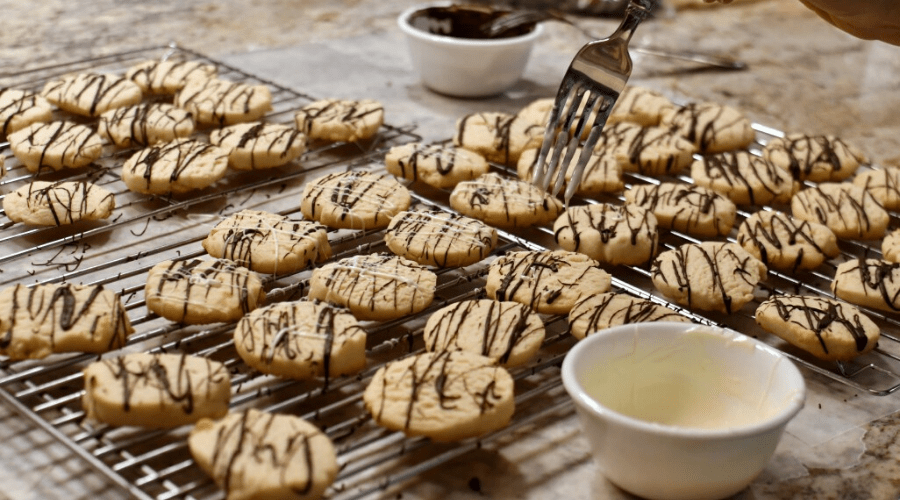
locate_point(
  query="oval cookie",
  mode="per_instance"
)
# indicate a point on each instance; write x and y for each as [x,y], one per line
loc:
[56,145]
[340,120]
[145,124]
[710,276]
[507,332]
[883,184]
[253,454]
[606,310]
[871,283]
[374,287]
[301,340]
[640,105]
[42,203]
[256,145]
[437,238]
[712,127]
[437,165]
[848,210]
[92,94]
[652,150]
[612,234]
[202,291]
[504,203]
[828,329]
[20,108]
[549,282]
[499,137]
[695,210]
[816,158]
[744,178]
[174,167]
[268,243]
[155,390]
[890,246]
[220,102]
[785,243]
[414,395]
[354,200]
[168,76]
[602,172]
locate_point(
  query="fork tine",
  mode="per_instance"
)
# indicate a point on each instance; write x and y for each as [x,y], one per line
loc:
[603,108]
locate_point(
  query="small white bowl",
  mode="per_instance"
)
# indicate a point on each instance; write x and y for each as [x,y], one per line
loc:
[466,67]
[681,411]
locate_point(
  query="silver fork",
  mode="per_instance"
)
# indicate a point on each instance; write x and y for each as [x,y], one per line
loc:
[591,85]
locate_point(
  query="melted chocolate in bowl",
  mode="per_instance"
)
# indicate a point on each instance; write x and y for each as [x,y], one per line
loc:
[462,21]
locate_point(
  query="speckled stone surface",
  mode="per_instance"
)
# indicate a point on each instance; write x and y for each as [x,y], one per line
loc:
[803,76]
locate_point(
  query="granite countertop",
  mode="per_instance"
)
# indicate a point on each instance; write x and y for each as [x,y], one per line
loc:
[803,76]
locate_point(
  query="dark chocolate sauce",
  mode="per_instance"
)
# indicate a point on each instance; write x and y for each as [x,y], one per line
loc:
[463,21]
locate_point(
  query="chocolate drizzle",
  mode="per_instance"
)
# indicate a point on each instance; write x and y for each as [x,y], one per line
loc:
[184,155]
[221,102]
[168,75]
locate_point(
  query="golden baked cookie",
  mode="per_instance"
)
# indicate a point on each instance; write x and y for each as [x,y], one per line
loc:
[145,124]
[890,246]
[301,340]
[55,145]
[710,276]
[848,210]
[816,158]
[52,318]
[871,283]
[219,102]
[507,332]
[882,184]
[744,178]
[178,166]
[438,238]
[168,76]
[712,127]
[252,454]
[695,210]
[612,234]
[826,328]
[354,200]
[20,108]
[437,165]
[505,203]
[787,244]
[640,105]
[268,243]
[340,120]
[499,137]
[602,172]
[257,145]
[413,395]
[155,390]
[42,203]
[605,310]
[376,287]
[202,291]
[549,282]
[650,150]
[91,94]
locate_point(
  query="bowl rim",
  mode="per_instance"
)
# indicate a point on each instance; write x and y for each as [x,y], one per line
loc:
[406,27]
[580,397]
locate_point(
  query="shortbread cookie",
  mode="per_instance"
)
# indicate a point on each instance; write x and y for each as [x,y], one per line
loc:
[253,455]
[649,150]
[549,282]
[42,203]
[890,246]
[340,120]
[354,200]
[202,291]
[178,166]
[712,127]
[787,244]
[145,124]
[437,165]
[505,203]
[92,94]
[254,146]
[605,310]
[695,210]
[376,287]
[45,319]
[640,105]
[301,340]
[871,283]
[268,243]
[828,329]
[817,158]
[155,390]
[438,238]
[446,396]
[507,332]
[168,76]
[612,234]
[535,117]
[499,137]
[20,108]
[744,178]
[220,102]
[710,276]
[847,209]
[883,184]
[55,145]
[602,172]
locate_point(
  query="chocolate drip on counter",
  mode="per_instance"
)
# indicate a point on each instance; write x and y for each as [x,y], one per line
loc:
[819,315]
[436,230]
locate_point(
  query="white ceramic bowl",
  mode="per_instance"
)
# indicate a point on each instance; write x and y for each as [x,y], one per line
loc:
[681,411]
[463,67]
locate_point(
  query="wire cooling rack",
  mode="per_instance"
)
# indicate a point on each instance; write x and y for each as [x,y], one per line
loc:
[144,230]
